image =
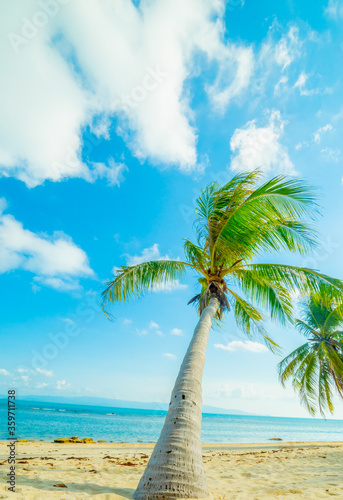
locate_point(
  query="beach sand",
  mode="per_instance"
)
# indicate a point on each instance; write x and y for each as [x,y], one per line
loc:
[276,470]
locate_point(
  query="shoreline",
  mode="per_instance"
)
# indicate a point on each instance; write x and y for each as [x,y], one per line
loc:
[111,471]
[88,441]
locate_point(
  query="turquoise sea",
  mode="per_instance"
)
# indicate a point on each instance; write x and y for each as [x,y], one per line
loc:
[47,421]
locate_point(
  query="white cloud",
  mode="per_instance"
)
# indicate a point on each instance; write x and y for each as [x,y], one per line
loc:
[151,253]
[176,331]
[61,385]
[255,147]
[127,321]
[56,260]
[153,325]
[301,81]
[281,53]
[238,345]
[281,85]
[331,154]
[288,48]
[141,332]
[22,370]
[65,284]
[301,85]
[87,66]
[41,385]
[169,355]
[238,60]
[169,286]
[4,372]
[47,373]
[68,320]
[334,9]
[317,136]
[301,145]
[113,172]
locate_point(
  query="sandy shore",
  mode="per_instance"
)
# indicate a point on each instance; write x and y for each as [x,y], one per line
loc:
[237,471]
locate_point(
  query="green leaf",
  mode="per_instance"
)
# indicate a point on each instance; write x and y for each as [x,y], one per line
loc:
[133,281]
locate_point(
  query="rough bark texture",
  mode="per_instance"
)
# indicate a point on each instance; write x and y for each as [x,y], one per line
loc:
[176,469]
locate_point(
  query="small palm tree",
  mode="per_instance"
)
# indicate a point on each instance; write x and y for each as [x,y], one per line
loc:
[235,223]
[316,367]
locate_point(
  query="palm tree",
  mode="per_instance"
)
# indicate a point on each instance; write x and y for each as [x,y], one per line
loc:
[235,223]
[316,367]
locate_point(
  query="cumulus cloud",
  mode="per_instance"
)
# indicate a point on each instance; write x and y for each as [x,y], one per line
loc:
[156,327]
[22,370]
[238,345]
[113,172]
[141,332]
[254,147]
[47,373]
[41,385]
[4,372]
[317,136]
[25,379]
[169,286]
[153,325]
[176,331]
[56,261]
[61,385]
[150,253]
[85,65]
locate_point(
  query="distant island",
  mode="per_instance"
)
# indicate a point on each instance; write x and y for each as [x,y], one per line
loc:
[120,403]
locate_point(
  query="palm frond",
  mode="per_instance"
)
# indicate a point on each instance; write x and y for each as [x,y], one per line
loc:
[317,366]
[268,294]
[300,279]
[249,320]
[288,366]
[306,385]
[271,217]
[196,255]
[325,396]
[304,328]
[133,281]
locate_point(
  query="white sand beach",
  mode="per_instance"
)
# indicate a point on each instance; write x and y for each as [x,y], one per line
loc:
[108,471]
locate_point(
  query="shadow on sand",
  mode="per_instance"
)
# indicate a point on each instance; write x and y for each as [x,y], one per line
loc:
[46,485]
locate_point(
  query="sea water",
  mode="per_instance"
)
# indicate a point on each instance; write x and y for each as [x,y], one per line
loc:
[47,421]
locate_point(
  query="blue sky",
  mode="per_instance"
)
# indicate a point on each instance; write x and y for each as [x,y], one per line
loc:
[112,118]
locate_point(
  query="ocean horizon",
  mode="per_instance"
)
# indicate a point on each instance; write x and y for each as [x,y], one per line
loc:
[45,421]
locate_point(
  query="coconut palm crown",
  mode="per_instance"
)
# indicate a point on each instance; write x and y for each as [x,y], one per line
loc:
[316,367]
[234,224]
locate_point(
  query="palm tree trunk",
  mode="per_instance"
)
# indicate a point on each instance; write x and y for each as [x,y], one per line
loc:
[176,469]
